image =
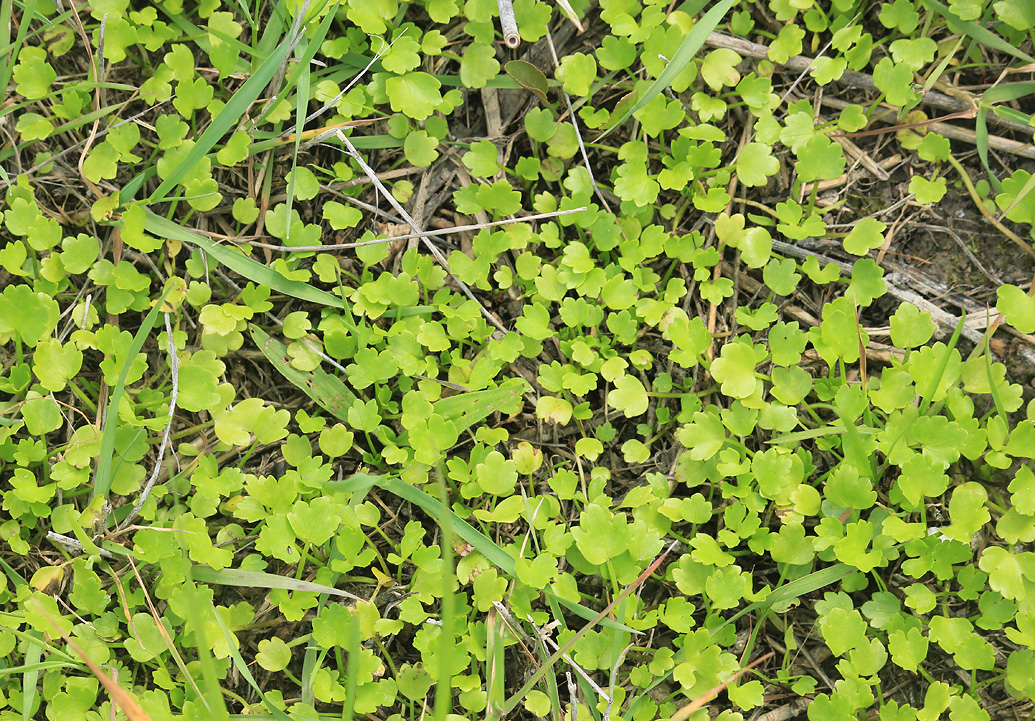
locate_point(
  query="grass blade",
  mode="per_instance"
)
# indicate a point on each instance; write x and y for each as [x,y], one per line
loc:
[212,693]
[494,667]
[599,618]
[259,579]
[466,409]
[33,653]
[244,266]
[793,590]
[977,32]
[682,57]
[932,388]
[242,667]
[102,478]
[5,22]
[443,686]
[481,543]
[328,391]
[226,118]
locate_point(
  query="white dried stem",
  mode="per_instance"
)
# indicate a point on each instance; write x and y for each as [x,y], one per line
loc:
[508,23]
[174,364]
[429,233]
[410,221]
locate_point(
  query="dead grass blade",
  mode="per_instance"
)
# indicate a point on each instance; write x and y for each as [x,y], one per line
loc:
[127,703]
[684,713]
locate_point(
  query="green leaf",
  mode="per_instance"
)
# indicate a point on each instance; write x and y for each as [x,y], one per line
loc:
[1015,13]
[792,546]
[413,681]
[30,315]
[629,396]
[755,164]
[735,369]
[478,65]
[1017,306]
[910,328]
[866,235]
[274,655]
[55,364]
[908,648]
[416,94]
[314,522]
[719,68]
[481,159]
[967,511]
[677,63]
[530,78]
[840,330]
[847,489]
[1005,572]
[497,475]
[927,191]
[577,73]
[600,535]
[420,150]
[867,282]
[820,159]
[33,74]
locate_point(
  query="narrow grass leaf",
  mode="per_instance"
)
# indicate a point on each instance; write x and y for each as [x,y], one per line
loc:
[28,13]
[466,409]
[212,692]
[40,666]
[33,653]
[228,116]
[682,57]
[244,266]
[925,402]
[259,579]
[242,668]
[495,672]
[977,32]
[981,142]
[793,590]
[481,543]
[328,391]
[352,669]
[166,638]
[994,389]
[447,606]
[599,618]
[102,478]
[799,436]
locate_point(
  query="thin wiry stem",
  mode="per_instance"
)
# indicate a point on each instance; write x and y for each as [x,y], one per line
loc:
[410,221]
[443,231]
[174,364]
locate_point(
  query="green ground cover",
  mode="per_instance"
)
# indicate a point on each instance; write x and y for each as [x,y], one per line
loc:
[358,363]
